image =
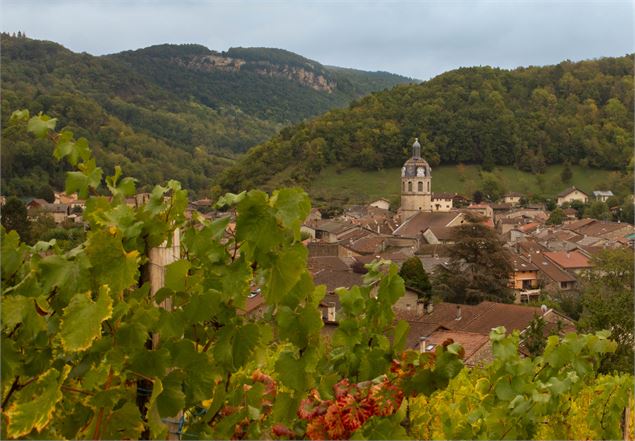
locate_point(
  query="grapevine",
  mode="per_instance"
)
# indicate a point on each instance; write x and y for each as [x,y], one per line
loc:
[89,349]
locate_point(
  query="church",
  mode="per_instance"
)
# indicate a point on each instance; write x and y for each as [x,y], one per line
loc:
[416,187]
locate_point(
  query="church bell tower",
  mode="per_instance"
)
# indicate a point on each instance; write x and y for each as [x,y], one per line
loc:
[416,185]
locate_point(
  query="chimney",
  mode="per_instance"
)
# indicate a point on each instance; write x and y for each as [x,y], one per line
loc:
[458,313]
[407,306]
[422,343]
[568,254]
[330,312]
[421,308]
[430,308]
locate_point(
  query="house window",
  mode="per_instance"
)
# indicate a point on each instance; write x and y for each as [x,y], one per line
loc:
[409,185]
[420,186]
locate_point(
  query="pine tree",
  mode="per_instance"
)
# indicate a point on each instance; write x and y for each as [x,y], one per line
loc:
[415,276]
[478,269]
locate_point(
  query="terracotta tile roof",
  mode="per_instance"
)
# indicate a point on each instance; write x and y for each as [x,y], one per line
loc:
[563,193]
[492,315]
[377,225]
[443,195]
[511,220]
[333,272]
[569,260]
[333,263]
[332,226]
[321,249]
[430,263]
[591,241]
[418,330]
[354,235]
[337,279]
[442,233]
[599,228]
[520,263]
[559,245]
[472,342]
[367,259]
[527,228]
[37,202]
[480,319]
[574,225]
[252,303]
[370,244]
[535,252]
[565,235]
[423,220]
[395,256]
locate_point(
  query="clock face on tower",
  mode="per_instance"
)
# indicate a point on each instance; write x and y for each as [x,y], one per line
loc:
[421,171]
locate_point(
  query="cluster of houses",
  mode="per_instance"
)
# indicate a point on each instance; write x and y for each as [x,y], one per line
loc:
[544,258]
[63,209]
[69,208]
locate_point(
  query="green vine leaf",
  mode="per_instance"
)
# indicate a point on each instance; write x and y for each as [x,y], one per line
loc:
[40,125]
[35,404]
[81,323]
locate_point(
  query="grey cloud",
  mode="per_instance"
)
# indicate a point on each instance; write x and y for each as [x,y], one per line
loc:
[417,39]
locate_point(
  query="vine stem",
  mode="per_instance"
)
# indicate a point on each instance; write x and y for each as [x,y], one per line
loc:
[100,417]
[14,387]
[604,408]
[79,391]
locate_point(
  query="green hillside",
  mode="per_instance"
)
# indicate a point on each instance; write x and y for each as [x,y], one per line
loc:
[270,84]
[527,118]
[160,112]
[359,186]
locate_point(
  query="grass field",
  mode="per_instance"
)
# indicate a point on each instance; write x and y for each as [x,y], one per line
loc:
[357,186]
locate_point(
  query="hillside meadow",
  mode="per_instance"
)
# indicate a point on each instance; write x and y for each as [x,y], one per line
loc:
[358,186]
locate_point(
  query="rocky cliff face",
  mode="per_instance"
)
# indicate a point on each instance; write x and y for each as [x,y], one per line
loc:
[212,63]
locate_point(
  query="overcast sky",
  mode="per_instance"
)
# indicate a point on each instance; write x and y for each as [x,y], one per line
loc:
[418,39]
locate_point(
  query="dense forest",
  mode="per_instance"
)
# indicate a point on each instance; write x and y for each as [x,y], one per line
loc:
[577,113]
[154,112]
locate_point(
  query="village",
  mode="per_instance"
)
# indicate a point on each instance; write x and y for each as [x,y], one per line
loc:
[547,259]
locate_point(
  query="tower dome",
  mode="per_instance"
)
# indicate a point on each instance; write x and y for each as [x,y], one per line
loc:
[416,182]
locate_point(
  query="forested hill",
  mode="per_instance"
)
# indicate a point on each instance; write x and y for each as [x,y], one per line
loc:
[528,117]
[164,112]
[270,84]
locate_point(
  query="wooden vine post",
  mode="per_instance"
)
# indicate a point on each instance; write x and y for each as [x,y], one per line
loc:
[158,258]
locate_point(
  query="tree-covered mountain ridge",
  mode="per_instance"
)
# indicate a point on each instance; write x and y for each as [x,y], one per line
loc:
[271,62]
[529,117]
[154,112]
[267,83]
